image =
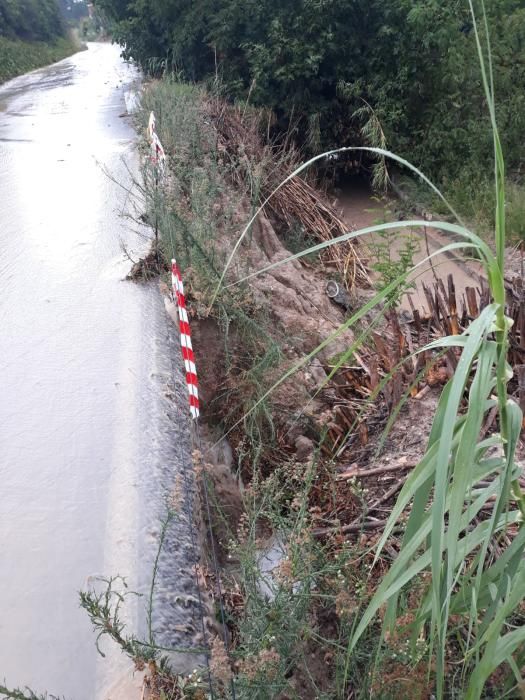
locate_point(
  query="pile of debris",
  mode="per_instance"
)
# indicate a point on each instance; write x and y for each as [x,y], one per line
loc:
[240,139]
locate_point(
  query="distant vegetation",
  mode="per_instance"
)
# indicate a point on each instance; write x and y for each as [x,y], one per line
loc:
[33,33]
[331,66]
[18,57]
[73,10]
[90,23]
[414,62]
[31,20]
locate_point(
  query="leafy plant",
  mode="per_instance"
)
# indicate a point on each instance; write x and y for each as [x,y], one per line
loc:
[393,254]
[31,20]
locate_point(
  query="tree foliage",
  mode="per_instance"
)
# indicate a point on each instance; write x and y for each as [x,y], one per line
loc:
[31,20]
[314,61]
[73,10]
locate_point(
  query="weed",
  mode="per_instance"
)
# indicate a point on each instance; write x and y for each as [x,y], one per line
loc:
[281,583]
[472,194]
[104,610]
[515,212]
[393,257]
[296,239]
[25,694]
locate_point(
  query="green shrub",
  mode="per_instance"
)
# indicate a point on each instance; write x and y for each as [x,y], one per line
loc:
[18,57]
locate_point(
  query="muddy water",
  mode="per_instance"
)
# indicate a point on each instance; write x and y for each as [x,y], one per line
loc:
[90,438]
[361,209]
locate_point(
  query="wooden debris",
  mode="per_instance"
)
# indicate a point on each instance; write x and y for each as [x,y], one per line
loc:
[361,473]
[353,527]
[238,137]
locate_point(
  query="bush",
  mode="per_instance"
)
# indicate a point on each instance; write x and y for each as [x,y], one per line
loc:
[18,57]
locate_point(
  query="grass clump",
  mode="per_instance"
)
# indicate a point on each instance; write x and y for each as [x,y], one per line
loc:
[196,213]
[18,57]
[472,194]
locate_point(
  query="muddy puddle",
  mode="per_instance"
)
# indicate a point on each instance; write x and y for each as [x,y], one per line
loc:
[360,209]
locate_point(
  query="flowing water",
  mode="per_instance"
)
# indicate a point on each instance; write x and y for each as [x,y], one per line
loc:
[361,209]
[88,430]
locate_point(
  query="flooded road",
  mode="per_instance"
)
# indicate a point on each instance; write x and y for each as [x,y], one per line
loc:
[87,445]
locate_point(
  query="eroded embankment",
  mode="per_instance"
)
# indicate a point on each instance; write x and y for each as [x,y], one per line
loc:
[296,392]
[255,332]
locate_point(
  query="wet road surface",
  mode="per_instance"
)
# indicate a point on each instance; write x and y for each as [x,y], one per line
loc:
[88,438]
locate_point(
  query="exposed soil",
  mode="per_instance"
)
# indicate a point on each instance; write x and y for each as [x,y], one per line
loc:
[295,300]
[342,409]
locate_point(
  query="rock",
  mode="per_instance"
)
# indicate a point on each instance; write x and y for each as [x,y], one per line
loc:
[304,448]
[318,373]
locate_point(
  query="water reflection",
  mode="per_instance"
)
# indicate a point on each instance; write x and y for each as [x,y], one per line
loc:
[75,366]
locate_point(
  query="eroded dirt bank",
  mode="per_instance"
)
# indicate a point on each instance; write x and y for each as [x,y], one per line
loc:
[258,329]
[299,390]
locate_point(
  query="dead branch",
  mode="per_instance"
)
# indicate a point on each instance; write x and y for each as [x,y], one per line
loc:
[361,473]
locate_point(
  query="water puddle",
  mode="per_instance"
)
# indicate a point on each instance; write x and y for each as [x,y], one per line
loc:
[362,209]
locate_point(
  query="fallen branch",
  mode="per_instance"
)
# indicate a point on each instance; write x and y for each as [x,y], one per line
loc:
[353,527]
[388,494]
[361,473]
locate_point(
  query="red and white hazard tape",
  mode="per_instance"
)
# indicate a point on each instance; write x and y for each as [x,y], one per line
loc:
[158,155]
[185,339]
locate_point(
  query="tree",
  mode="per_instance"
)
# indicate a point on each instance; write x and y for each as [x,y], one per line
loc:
[73,10]
[31,20]
[413,61]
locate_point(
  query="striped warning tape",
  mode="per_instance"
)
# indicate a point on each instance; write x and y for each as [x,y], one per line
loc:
[158,155]
[191,380]
[185,340]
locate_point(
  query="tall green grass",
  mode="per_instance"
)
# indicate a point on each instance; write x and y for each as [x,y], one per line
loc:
[461,474]
[18,57]
[472,194]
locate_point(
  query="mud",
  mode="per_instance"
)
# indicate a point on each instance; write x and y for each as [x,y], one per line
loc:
[295,294]
[361,208]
